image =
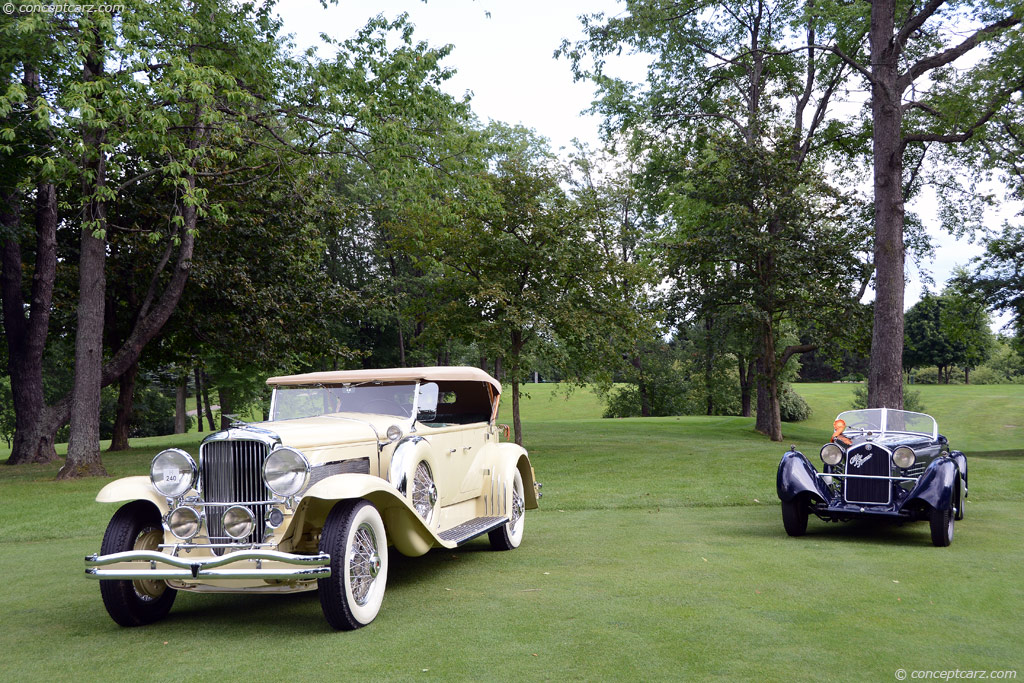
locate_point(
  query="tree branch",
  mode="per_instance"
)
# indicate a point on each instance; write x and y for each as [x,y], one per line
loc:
[917,21]
[943,58]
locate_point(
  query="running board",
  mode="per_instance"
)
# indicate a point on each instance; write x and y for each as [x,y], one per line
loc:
[467,531]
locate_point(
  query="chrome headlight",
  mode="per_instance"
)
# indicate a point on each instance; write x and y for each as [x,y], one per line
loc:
[904,457]
[394,433]
[172,472]
[238,521]
[286,471]
[831,454]
[183,522]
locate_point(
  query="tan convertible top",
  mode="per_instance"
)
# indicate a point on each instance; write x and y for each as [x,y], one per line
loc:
[435,374]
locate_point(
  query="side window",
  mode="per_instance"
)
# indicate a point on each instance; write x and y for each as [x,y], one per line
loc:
[428,402]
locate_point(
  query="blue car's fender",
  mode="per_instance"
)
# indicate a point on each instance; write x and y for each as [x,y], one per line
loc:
[961,463]
[936,485]
[796,476]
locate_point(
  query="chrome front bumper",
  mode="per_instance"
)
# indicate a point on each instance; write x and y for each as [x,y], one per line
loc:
[163,566]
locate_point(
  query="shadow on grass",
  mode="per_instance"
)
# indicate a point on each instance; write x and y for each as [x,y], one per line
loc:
[300,612]
[996,454]
[879,532]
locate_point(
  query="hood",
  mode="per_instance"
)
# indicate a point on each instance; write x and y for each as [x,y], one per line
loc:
[340,429]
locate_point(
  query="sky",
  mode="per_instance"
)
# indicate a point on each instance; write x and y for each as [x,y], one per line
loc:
[503,56]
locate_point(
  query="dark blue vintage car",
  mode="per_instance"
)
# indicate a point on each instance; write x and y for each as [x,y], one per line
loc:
[881,464]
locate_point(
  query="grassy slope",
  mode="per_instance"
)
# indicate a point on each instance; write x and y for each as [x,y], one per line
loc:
[658,553]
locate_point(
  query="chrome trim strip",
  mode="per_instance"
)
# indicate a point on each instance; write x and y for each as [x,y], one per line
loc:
[186,574]
[864,476]
[311,566]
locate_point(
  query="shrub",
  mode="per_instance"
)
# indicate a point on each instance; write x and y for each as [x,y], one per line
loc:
[792,406]
[911,399]
[986,375]
[926,376]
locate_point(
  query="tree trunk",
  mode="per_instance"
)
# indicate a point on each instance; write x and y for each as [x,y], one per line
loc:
[34,433]
[84,443]
[769,421]
[199,399]
[516,355]
[125,403]
[517,425]
[641,386]
[206,400]
[747,371]
[180,418]
[885,373]
[709,364]
[498,372]
[227,407]
[967,375]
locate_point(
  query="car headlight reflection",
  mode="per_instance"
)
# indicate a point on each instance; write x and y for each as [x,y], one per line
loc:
[904,457]
[238,522]
[286,471]
[172,472]
[184,522]
[831,454]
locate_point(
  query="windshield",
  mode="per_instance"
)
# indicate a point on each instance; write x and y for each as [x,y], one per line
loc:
[395,398]
[882,420]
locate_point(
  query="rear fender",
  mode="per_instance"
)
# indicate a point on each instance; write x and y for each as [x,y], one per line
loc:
[936,485]
[797,476]
[502,459]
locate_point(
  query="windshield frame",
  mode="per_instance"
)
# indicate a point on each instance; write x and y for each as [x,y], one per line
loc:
[886,414]
[274,406]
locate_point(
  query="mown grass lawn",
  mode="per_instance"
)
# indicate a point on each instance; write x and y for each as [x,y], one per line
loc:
[657,554]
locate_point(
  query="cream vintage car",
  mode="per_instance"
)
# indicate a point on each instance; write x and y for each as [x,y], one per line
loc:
[348,464]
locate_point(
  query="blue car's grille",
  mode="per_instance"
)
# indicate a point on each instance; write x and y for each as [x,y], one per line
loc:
[864,462]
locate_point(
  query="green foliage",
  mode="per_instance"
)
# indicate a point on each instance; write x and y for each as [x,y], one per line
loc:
[911,399]
[951,329]
[792,406]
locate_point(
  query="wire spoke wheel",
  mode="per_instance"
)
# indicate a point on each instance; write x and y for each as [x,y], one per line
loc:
[149,539]
[355,538]
[424,492]
[364,566]
[510,535]
[135,526]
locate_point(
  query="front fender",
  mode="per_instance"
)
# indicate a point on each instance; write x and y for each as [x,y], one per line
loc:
[796,476]
[133,488]
[936,485]
[961,462]
[405,528]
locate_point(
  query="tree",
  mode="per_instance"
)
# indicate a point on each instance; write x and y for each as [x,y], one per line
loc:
[998,276]
[515,270]
[919,97]
[947,330]
[736,73]
[202,97]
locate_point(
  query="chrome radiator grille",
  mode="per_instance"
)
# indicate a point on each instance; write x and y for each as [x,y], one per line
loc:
[875,463]
[232,472]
